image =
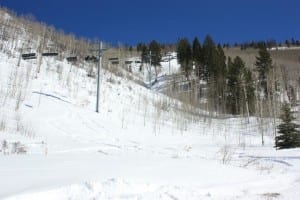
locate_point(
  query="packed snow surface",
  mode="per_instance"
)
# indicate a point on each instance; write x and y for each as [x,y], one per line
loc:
[141,145]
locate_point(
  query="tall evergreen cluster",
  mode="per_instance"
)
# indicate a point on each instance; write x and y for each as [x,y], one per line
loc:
[230,86]
[240,88]
[151,54]
[185,56]
[264,64]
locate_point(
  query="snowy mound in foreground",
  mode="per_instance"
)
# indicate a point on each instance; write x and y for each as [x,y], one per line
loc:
[142,145]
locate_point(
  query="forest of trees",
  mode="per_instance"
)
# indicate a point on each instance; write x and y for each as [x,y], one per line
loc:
[229,84]
[236,89]
[268,43]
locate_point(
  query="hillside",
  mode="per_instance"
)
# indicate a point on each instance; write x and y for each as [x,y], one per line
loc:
[141,145]
[289,57]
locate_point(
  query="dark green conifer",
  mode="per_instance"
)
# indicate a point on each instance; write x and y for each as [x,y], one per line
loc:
[264,64]
[288,133]
[197,57]
[155,49]
[185,56]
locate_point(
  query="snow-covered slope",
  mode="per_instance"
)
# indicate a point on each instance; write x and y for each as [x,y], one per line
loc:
[142,145]
[168,67]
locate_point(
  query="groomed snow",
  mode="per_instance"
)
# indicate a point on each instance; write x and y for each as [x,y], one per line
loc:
[140,146]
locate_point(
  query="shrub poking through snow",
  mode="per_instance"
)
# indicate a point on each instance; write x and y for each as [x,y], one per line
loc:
[4,147]
[18,148]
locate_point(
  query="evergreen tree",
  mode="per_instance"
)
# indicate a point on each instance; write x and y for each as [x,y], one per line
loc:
[155,49]
[293,41]
[250,89]
[234,90]
[271,43]
[130,48]
[139,47]
[220,62]
[144,54]
[214,72]
[288,133]
[264,64]
[209,55]
[240,88]
[220,80]
[184,56]
[287,43]
[197,57]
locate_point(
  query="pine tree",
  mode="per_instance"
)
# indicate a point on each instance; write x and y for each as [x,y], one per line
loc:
[197,57]
[221,61]
[144,54]
[139,47]
[240,88]
[264,64]
[287,43]
[288,133]
[214,72]
[155,49]
[220,78]
[184,56]
[209,55]
[250,90]
[234,90]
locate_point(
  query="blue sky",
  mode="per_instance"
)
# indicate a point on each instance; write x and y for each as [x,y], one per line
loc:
[133,21]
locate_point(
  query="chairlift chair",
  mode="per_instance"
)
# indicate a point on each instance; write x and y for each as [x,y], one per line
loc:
[29,56]
[72,59]
[115,62]
[128,62]
[113,59]
[50,54]
[91,59]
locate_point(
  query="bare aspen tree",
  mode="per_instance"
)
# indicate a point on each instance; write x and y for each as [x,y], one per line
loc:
[275,101]
[272,101]
[20,56]
[284,80]
[261,120]
[259,112]
[40,51]
[246,99]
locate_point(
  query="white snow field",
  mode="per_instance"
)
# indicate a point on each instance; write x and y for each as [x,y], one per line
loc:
[142,145]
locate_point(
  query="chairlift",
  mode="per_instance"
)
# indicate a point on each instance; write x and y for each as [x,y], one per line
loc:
[91,75]
[50,54]
[113,59]
[115,62]
[91,59]
[28,56]
[128,62]
[72,59]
